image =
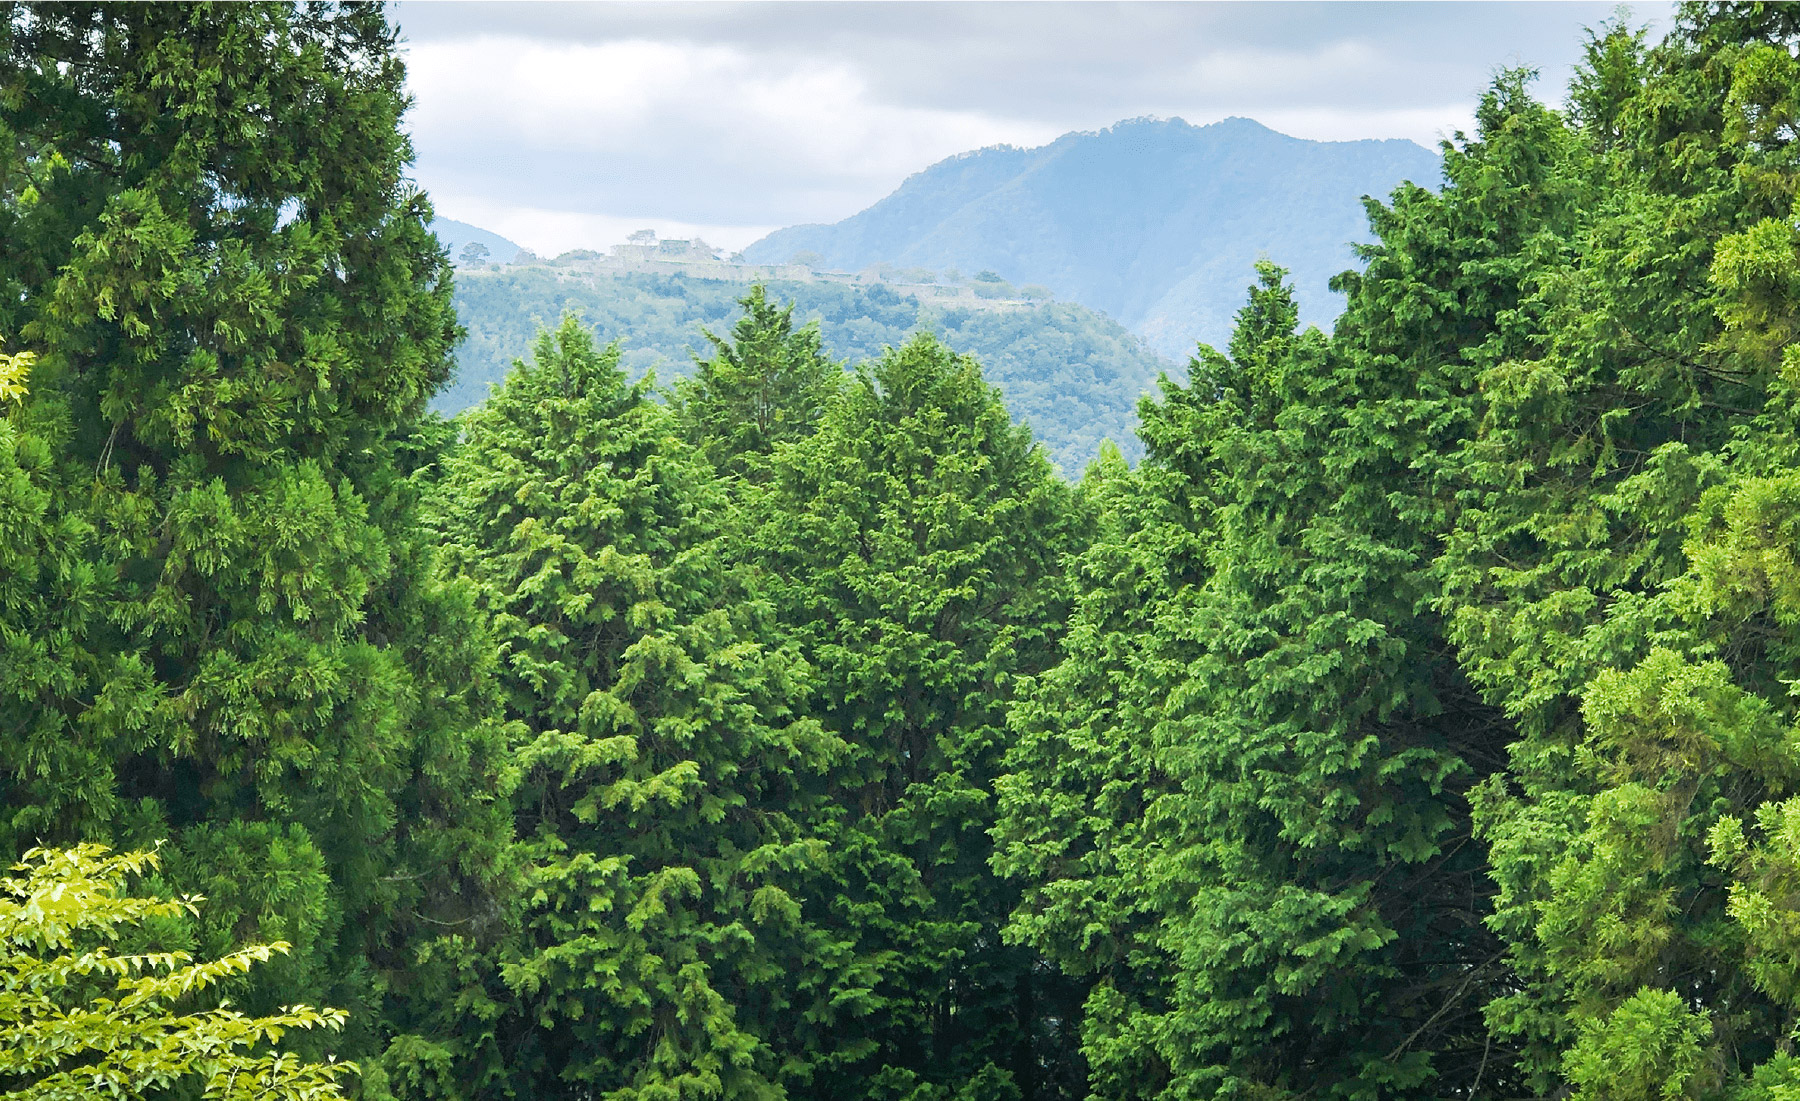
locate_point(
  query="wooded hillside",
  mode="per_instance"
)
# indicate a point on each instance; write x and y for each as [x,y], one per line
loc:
[1073,375]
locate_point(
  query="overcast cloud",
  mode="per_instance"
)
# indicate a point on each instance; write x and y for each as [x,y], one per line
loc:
[566,125]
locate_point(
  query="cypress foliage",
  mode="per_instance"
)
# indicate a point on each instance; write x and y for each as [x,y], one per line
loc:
[663,781]
[215,622]
[1415,721]
[768,384]
[1610,584]
[913,547]
[1238,802]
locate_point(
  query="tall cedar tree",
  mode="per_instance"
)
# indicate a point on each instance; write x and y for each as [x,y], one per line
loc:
[1237,805]
[665,788]
[215,624]
[914,547]
[1620,582]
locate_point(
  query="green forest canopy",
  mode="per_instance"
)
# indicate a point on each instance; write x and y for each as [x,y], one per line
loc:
[1415,720]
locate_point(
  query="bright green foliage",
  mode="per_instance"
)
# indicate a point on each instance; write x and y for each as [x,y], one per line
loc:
[79,1019]
[767,385]
[914,547]
[15,372]
[1649,1049]
[216,624]
[1239,799]
[662,779]
[1615,583]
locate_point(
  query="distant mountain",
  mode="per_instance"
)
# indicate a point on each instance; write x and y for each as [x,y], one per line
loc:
[1072,374]
[1156,222]
[455,235]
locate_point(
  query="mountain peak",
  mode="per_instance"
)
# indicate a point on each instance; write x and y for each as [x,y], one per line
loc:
[1156,221]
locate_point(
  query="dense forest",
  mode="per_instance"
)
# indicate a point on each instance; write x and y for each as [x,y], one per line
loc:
[1072,374]
[1413,720]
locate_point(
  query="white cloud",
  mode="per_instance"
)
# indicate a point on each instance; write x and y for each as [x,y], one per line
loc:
[567,121]
[1247,74]
[612,127]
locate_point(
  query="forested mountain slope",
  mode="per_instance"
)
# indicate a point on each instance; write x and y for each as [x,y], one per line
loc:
[1157,223]
[1073,375]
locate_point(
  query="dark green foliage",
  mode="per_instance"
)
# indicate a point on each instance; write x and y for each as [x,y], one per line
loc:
[913,547]
[1073,375]
[1515,426]
[215,622]
[1238,801]
[664,782]
[1548,449]
[1416,720]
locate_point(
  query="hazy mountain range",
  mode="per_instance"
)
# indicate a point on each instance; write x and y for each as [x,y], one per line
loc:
[1155,222]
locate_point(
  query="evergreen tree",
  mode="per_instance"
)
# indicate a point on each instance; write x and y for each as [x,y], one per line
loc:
[1416,720]
[768,384]
[215,621]
[665,787]
[914,547]
[1237,803]
[1614,584]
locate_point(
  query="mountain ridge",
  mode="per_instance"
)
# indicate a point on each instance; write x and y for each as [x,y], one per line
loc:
[1156,222]
[1073,374]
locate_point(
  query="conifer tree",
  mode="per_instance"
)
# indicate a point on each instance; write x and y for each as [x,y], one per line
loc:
[1273,883]
[766,385]
[914,547]
[1615,583]
[215,621]
[1416,720]
[1236,804]
[664,783]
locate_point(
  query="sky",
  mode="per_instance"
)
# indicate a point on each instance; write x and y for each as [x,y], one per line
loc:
[568,125]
